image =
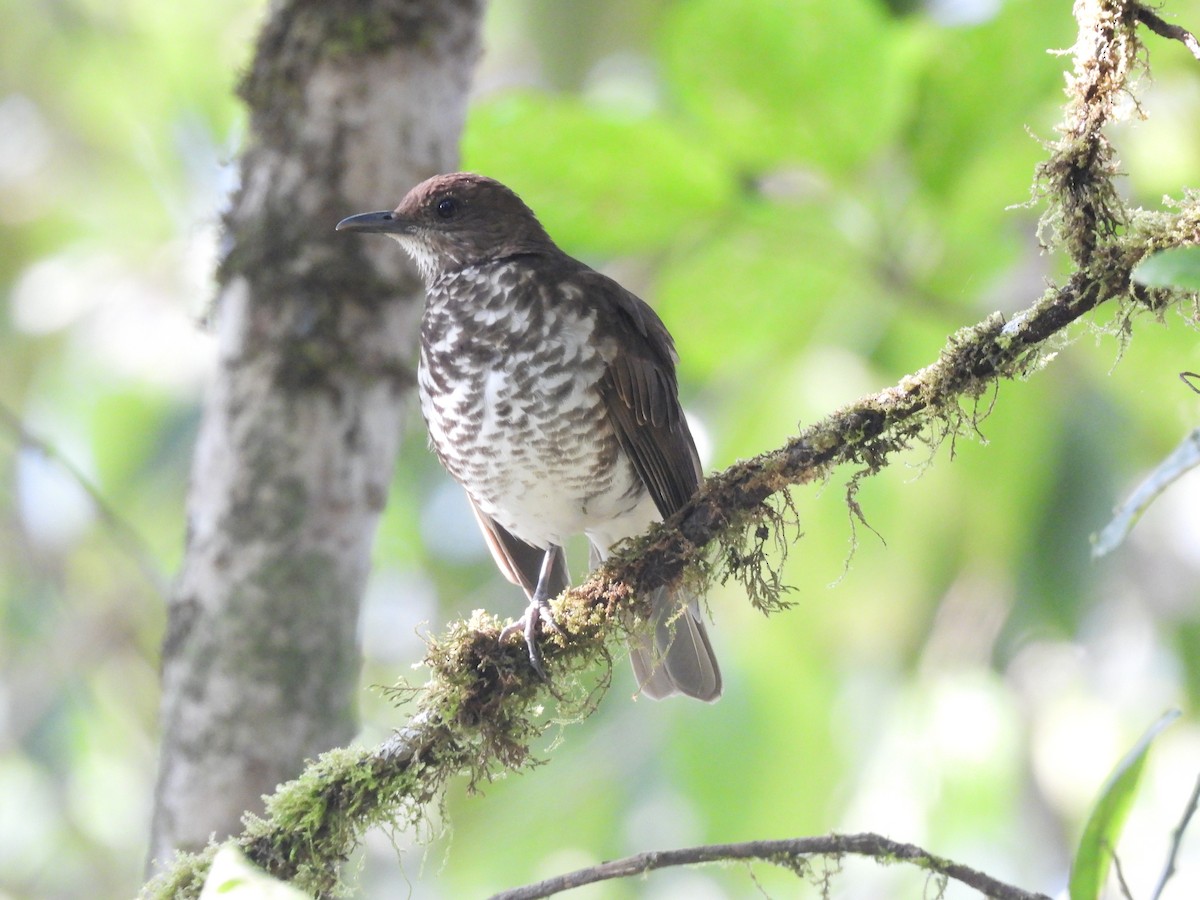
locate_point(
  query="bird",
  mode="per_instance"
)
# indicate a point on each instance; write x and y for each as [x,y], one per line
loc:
[550,395]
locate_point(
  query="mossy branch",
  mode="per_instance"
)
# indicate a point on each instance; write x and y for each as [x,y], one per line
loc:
[481,708]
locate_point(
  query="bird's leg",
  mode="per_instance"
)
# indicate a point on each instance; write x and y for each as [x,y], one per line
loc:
[537,614]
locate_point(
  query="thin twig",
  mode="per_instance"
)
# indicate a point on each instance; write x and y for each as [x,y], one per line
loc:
[1152,21]
[790,853]
[1176,841]
[122,531]
[1124,885]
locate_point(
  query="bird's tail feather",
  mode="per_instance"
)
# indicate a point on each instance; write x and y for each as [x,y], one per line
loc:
[677,658]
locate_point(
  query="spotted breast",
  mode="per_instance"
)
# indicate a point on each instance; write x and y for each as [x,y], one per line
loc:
[509,375]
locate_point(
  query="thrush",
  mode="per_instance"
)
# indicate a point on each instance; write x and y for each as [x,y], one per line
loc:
[550,395]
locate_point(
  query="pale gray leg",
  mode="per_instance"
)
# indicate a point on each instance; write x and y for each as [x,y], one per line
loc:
[537,614]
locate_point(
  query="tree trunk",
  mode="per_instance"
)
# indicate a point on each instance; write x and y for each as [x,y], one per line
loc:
[351,103]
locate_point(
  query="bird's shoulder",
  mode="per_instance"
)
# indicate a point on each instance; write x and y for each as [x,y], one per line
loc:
[628,322]
[637,349]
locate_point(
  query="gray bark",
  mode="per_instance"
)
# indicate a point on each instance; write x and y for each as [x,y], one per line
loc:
[351,103]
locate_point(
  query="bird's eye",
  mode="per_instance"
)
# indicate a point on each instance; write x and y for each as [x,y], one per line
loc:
[447,207]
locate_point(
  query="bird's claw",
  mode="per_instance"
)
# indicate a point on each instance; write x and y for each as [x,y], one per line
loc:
[537,617]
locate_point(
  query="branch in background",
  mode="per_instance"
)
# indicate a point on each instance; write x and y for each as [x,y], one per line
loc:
[791,854]
[1176,840]
[1121,882]
[1171,32]
[483,704]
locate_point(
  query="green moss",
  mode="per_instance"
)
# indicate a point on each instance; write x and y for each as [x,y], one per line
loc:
[183,879]
[313,823]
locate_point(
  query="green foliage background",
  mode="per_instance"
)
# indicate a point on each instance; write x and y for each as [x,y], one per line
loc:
[813,196]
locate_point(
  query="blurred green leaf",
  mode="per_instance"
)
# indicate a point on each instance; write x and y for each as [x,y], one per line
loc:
[1186,639]
[970,100]
[1178,463]
[972,140]
[779,81]
[1089,870]
[760,286]
[1176,267]
[601,180]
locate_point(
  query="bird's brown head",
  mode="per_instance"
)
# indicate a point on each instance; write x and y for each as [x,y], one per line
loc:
[450,222]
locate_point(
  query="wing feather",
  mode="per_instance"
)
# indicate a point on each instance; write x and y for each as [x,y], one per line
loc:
[641,397]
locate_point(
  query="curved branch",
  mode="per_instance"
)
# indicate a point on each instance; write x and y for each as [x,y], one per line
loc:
[790,853]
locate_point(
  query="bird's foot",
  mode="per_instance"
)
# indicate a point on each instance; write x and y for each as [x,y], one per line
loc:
[537,617]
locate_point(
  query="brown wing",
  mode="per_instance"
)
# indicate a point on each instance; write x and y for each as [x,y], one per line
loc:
[518,561]
[642,398]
